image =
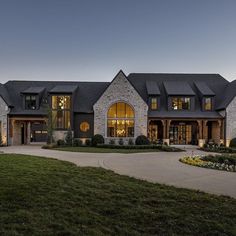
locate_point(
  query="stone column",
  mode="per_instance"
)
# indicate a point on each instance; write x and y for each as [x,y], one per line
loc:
[167,138]
[201,140]
[28,132]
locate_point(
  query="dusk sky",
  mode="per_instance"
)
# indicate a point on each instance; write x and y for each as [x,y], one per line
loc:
[91,40]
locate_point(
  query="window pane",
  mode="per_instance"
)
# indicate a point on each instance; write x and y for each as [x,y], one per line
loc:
[54,102]
[181,103]
[129,128]
[111,128]
[129,111]
[112,111]
[208,104]
[154,103]
[120,110]
[120,128]
[67,120]
[66,102]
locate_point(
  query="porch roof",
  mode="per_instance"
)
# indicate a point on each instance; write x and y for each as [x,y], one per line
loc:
[185,114]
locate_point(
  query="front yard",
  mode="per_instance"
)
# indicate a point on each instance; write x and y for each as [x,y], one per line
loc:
[49,197]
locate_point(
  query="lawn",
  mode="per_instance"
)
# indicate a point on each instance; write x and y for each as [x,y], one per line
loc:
[40,196]
[109,150]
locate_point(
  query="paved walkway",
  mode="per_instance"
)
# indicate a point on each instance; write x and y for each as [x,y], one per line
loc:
[160,167]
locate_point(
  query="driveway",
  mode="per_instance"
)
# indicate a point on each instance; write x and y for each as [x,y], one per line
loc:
[160,167]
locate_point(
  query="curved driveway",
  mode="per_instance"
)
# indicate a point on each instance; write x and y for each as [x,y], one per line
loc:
[160,167]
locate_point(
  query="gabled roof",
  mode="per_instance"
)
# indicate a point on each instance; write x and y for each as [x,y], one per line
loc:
[64,89]
[204,89]
[86,94]
[215,82]
[34,90]
[228,95]
[152,88]
[5,95]
[178,88]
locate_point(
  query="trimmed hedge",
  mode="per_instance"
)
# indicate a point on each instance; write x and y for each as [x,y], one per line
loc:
[219,149]
[159,147]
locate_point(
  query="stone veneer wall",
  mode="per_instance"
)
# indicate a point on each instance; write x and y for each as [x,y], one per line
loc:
[231,120]
[4,110]
[120,90]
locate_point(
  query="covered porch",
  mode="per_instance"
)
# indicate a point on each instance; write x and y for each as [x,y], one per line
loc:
[27,130]
[186,131]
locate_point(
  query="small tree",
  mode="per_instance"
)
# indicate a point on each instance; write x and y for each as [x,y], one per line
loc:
[50,126]
[1,142]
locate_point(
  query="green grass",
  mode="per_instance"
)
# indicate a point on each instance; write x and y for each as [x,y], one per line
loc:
[104,150]
[40,196]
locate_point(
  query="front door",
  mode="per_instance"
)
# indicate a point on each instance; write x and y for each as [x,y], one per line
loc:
[181,134]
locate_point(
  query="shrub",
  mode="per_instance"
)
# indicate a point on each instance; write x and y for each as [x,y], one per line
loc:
[97,139]
[60,142]
[88,142]
[166,144]
[233,142]
[49,146]
[130,141]
[121,142]
[142,140]
[69,138]
[77,142]
[112,142]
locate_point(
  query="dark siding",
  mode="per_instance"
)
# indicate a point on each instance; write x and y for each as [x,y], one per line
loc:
[78,119]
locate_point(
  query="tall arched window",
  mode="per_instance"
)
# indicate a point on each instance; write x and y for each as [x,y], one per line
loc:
[120,120]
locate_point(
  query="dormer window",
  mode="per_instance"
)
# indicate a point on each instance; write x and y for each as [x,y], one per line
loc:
[30,102]
[181,103]
[154,103]
[208,104]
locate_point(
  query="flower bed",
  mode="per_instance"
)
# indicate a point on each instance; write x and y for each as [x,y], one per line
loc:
[218,162]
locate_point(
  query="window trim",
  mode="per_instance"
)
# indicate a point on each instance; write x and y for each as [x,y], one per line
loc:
[180,97]
[204,103]
[157,103]
[63,110]
[36,101]
[119,118]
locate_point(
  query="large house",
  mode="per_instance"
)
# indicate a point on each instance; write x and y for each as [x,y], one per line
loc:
[175,108]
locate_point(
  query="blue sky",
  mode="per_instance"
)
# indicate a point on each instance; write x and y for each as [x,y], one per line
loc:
[90,40]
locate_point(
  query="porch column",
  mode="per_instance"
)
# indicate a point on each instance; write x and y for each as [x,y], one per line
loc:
[167,128]
[28,133]
[164,128]
[205,131]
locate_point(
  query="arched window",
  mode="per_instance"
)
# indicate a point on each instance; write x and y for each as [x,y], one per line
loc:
[120,120]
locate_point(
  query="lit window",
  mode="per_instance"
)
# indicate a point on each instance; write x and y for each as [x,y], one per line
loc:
[181,103]
[153,103]
[61,112]
[84,126]
[30,102]
[120,120]
[208,104]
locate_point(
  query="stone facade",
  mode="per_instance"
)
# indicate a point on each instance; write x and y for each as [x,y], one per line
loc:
[4,110]
[120,90]
[231,121]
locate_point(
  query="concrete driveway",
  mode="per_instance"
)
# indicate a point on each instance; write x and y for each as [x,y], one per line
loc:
[160,167]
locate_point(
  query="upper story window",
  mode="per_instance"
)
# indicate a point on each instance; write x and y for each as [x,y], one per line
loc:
[154,103]
[120,120]
[61,111]
[30,102]
[208,104]
[181,103]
